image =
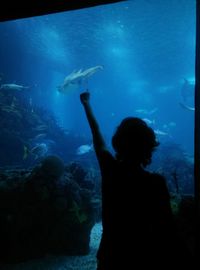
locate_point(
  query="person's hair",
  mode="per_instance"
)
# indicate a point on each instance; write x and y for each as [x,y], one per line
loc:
[134,141]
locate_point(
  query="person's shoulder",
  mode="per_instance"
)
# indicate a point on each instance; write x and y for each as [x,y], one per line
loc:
[157,176]
[159,183]
[106,159]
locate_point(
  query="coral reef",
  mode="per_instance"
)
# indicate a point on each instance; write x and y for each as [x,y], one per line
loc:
[177,167]
[44,210]
[25,126]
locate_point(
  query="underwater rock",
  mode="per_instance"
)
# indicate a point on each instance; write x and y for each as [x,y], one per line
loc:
[80,175]
[43,211]
[173,162]
[53,165]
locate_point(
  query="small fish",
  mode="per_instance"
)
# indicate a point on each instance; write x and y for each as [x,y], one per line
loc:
[147,112]
[83,149]
[13,86]
[148,121]
[41,127]
[144,111]
[160,132]
[172,124]
[153,111]
[40,136]
[74,80]
[11,109]
[38,151]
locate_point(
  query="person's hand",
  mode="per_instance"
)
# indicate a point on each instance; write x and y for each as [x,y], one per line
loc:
[85,97]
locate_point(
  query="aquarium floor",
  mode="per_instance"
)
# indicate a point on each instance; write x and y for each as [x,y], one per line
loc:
[87,262]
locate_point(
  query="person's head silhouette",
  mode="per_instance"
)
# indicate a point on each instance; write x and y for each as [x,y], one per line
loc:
[134,141]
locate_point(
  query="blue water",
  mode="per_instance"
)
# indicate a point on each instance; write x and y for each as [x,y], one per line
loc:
[147,48]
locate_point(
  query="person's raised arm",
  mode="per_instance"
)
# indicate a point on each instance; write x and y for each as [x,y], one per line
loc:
[98,140]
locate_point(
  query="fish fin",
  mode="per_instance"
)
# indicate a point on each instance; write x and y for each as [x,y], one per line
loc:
[100,67]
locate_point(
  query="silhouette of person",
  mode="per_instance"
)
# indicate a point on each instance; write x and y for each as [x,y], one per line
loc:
[139,231]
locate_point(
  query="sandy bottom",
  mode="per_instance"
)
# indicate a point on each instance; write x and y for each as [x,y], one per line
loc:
[87,262]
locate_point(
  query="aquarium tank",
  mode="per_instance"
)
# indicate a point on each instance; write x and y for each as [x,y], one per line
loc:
[136,58]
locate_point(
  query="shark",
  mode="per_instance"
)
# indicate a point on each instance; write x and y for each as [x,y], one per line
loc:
[184,106]
[76,78]
[187,94]
[13,86]
[187,89]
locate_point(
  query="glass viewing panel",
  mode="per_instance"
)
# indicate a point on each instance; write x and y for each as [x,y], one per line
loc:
[136,58]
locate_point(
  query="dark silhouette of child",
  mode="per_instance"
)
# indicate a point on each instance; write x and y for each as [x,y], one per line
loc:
[138,226]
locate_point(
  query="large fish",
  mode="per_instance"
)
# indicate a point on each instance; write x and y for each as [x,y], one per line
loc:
[13,86]
[38,151]
[76,78]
